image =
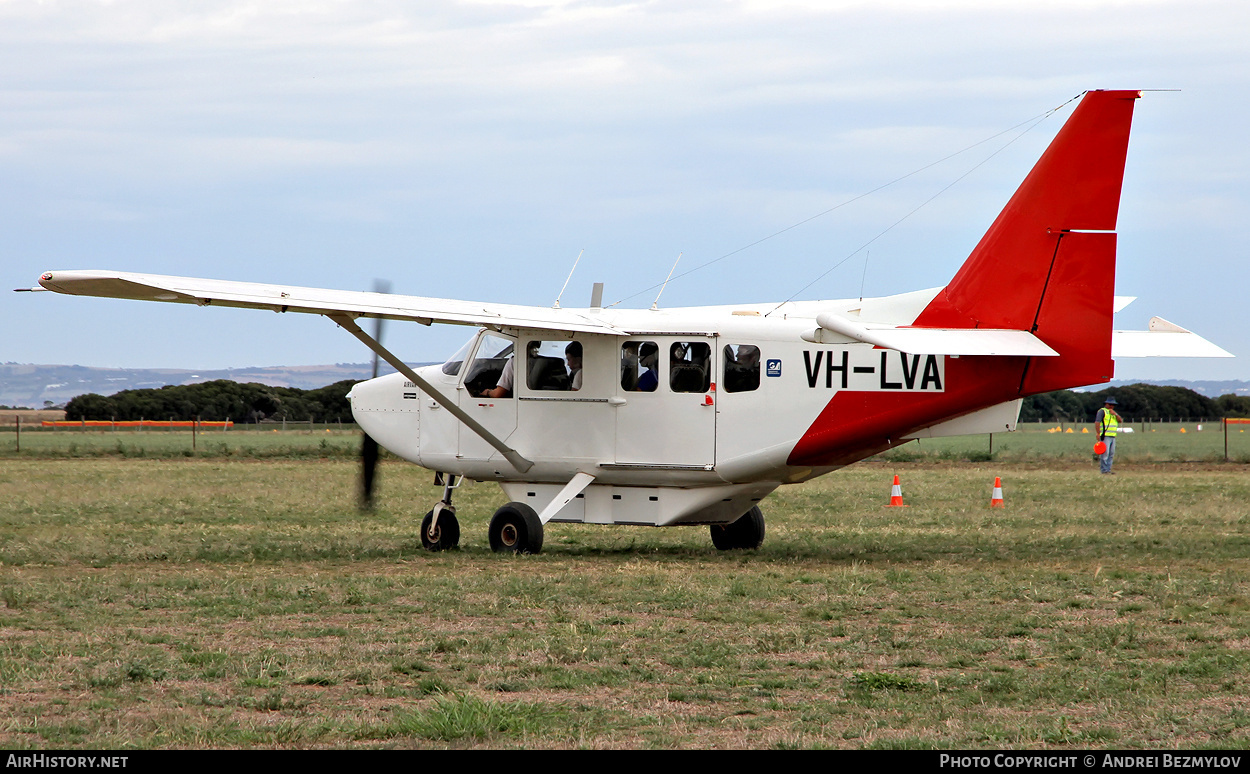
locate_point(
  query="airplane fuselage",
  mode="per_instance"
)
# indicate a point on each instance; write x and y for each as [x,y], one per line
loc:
[739,404]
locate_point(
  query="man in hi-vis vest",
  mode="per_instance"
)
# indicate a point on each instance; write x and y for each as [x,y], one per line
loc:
[1106,421]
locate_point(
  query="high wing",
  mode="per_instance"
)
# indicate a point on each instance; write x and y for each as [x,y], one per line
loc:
[285,298]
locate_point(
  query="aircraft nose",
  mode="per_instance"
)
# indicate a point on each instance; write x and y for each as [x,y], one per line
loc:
[389,412]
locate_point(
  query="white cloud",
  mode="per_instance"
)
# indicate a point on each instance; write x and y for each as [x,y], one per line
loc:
[507,132]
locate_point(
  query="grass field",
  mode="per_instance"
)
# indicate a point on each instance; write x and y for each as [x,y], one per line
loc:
[237,601]
[1162,442]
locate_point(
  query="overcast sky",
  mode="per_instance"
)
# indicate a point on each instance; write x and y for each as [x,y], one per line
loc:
[473,149]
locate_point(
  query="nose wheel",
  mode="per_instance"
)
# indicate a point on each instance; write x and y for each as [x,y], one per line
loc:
[440,530]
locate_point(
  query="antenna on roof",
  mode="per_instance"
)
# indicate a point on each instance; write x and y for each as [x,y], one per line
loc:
[864,276]
[666,279]
[556,305]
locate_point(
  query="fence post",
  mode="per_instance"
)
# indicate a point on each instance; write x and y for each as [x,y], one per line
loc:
[194,426]
[18,420]
[1225,421]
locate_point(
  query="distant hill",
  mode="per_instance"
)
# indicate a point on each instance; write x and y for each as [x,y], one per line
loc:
[1211,389]
[33,385]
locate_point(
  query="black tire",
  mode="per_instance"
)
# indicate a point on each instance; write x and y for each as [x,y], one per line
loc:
[746,532]
[515,529]
[446,534]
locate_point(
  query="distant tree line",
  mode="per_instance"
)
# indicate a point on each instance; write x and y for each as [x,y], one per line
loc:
[218,400]
[223,399]
[1135,401]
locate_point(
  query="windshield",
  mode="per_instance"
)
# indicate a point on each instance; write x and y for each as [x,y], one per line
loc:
[452,366]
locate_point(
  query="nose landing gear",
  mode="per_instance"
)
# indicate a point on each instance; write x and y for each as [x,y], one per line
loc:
[440,530]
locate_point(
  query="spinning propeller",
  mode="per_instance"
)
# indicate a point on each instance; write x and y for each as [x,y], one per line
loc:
[369,447]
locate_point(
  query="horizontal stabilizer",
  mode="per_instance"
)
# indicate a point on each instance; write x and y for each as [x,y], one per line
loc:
[1163,339]
[933,341]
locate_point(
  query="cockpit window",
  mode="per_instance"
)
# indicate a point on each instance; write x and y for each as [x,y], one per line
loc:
[489,364]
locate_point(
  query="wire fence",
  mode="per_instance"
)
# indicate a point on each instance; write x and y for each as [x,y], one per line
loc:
[1139,441]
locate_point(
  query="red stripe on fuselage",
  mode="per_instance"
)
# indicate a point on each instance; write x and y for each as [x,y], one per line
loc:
[854,425]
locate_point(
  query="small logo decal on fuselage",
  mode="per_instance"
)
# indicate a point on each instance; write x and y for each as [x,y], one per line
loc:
[773,368]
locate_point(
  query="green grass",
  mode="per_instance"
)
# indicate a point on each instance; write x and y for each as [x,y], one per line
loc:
[243,603]
[246,443]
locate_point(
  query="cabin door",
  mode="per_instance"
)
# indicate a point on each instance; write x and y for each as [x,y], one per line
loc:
[666,402]
[492,356]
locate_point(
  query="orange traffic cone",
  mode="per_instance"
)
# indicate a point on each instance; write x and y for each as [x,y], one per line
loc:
[996,497]
[896,495]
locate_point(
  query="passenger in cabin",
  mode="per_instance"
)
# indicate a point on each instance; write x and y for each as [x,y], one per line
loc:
[503,388]
[742,368]
[629,366]
[688,366]
[649,358]
[573,354]
[749,357]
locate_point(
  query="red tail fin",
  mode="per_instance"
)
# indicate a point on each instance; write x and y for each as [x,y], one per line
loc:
[1035,270]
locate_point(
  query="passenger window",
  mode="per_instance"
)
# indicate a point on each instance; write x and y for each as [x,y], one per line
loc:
[688,366]
[553,365]
[640,366]
[492,367]
[742,368]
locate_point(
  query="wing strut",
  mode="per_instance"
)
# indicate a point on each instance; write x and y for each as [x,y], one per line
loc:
[511,455]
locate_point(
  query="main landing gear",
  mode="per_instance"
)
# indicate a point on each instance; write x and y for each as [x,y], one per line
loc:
[515,529]
[440,530]
[746,532]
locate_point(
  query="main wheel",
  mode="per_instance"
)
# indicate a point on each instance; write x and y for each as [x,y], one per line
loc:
[445,535]
[746,532]
[515,529]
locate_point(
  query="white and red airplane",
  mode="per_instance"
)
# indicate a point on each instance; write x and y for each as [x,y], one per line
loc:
[670,417]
